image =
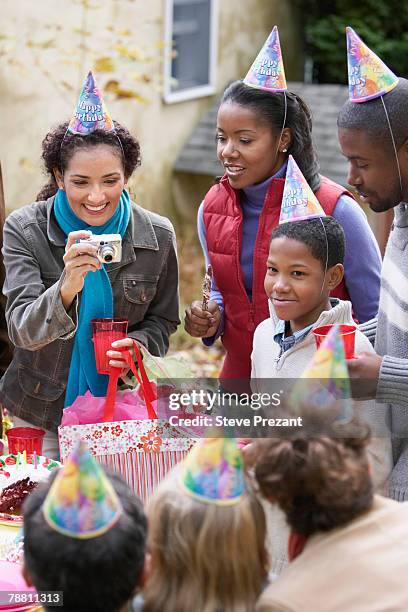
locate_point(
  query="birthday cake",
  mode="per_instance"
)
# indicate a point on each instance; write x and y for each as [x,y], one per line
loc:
[18,477]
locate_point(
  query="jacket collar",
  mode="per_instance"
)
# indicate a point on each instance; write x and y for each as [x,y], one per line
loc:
[273,197]
[54,233]
[140,232]
[401,215]
[340,313]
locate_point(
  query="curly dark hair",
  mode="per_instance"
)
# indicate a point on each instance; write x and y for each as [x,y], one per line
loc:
[312,234]
[320,480]
[271,108]
[59,146]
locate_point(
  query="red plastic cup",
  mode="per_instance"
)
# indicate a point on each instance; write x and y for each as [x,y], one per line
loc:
[347,333]
[27,439]
[106,331]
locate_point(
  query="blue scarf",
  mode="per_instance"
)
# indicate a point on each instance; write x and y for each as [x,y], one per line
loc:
[96,299]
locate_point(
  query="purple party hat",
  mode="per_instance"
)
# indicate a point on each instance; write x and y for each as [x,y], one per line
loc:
[267,71]
[90,113]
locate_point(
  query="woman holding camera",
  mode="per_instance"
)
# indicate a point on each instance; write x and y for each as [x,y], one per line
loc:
[56,282]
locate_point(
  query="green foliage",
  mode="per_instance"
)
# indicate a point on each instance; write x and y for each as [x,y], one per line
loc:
[382,25]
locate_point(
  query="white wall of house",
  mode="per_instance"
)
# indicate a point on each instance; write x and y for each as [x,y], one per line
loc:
[47,47]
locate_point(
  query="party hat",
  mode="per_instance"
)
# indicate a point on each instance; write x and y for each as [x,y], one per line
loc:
[81,502]
[368,76]
[213,473]
[298,200]
[90,113]
[326,379]
[267,71]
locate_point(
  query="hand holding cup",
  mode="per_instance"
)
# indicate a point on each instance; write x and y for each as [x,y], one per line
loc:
[115,354]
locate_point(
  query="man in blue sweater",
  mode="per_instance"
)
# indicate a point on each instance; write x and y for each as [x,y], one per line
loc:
[373,135]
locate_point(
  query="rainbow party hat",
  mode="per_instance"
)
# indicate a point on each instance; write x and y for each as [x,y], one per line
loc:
[81,502]
[90,113]
[326,379]
[213,473]
[368,76]
[267,71]
[298,200]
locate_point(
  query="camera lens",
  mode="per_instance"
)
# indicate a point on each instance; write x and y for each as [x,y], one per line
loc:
[106,253]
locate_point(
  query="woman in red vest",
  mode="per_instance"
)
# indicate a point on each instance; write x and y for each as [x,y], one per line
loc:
[258,126]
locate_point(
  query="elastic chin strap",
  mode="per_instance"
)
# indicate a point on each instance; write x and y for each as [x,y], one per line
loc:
[394,146]
[283,126]
[327,255]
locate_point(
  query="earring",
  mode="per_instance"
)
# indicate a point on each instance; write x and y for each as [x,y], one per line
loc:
[284,150]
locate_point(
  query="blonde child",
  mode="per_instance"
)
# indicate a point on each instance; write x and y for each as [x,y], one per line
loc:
[206,536]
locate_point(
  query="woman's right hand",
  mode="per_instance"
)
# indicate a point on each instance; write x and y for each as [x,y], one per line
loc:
[201,323]
[79,259]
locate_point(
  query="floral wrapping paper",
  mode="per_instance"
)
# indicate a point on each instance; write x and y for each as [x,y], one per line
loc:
[142,452]
[124,437]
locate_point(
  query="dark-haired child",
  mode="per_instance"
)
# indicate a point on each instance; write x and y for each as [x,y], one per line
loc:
[258,126]
[98,570]
[298,283]
[305,263]
[348,546]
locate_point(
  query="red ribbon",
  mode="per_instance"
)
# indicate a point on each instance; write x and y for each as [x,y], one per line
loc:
[146,388]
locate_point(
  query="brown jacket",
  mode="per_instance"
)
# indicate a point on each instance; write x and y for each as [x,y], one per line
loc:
[362,567]
[145,291]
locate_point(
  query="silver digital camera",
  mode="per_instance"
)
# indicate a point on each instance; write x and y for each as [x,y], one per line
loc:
[109,246]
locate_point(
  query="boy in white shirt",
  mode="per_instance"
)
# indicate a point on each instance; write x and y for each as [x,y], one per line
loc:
[305,263]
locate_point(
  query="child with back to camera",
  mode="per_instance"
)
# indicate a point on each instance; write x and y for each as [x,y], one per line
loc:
[305,263]
[348,545]
[85,535]
[206,535]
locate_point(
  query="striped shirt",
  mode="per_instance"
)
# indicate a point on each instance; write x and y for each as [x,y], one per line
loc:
[390,330]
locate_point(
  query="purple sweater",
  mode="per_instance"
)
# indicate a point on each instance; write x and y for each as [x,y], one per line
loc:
[362,262]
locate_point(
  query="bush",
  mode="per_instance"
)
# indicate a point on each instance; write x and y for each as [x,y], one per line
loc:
[382,25]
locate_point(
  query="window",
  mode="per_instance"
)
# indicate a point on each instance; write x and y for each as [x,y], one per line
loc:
[190,49]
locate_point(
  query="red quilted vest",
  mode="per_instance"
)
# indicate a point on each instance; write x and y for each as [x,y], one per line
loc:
[223,226]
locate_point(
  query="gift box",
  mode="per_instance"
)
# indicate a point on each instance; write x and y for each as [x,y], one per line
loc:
[141,450]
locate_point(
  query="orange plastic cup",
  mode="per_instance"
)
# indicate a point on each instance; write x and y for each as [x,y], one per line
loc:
[106,331]
[347,333]
[27,439]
